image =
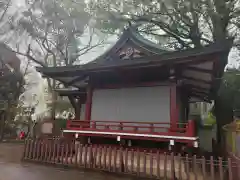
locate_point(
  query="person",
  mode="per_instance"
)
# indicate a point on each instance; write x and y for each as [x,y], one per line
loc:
[22,135]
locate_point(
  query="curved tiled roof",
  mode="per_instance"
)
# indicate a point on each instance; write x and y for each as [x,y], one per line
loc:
[200,69]
[131,35]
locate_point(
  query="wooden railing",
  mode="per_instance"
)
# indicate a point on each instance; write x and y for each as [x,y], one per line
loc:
[134,127]
[154,165]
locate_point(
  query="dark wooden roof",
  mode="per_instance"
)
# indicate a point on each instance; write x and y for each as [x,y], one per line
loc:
[200,69]
[71,92]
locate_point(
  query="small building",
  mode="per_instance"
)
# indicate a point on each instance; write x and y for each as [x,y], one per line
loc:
[137,91]
[200,109]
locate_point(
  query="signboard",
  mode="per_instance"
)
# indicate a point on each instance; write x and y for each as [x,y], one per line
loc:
[47,128]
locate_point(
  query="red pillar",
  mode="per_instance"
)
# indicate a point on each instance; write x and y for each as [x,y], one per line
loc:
[174,112]
[88,107]
[191,128]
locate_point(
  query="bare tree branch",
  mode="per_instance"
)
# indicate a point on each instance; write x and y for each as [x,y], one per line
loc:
[5,10]
[29,56]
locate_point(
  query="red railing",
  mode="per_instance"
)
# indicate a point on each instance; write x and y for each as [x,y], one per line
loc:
[186,129]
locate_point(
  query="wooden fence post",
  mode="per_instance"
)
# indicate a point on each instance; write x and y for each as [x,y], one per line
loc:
[230,175]
[110,159]
[212,167]
[204,167]
[121,160]
[144,163]
[105,157]
[126,160]
[85,155]
[220,164]
[76,155]
[100,156]
[187,167]
[180,166]
[151,163]
[195,167]
[138,162]
[91,159]
[172,167]
[158,160]
[165,166]
[115,160]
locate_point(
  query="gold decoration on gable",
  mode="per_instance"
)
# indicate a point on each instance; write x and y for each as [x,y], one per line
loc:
[129,52]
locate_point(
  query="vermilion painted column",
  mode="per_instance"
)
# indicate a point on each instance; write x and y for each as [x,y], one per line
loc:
[173,106]
[191,128]
[88,106]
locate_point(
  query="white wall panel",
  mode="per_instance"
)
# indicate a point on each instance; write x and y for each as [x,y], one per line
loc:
[150,104]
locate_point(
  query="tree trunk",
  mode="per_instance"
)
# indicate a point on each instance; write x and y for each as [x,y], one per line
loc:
[78,109]
[31,129]
[53,109]
[6,117]
[2,125]
[54,100]
[76,106]
[29,134]
[224,115]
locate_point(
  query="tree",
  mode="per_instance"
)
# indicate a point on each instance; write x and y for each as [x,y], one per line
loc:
[12,79]
[14,84]
[177,24]
[230,88]
[183,24]
[56,34]
[11,86]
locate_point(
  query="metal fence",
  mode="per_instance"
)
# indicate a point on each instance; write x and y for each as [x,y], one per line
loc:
[141,163]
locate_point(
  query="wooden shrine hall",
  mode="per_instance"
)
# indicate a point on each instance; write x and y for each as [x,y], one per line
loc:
[139,91]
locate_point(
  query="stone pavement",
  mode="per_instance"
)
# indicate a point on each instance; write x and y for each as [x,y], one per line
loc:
[11,171]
